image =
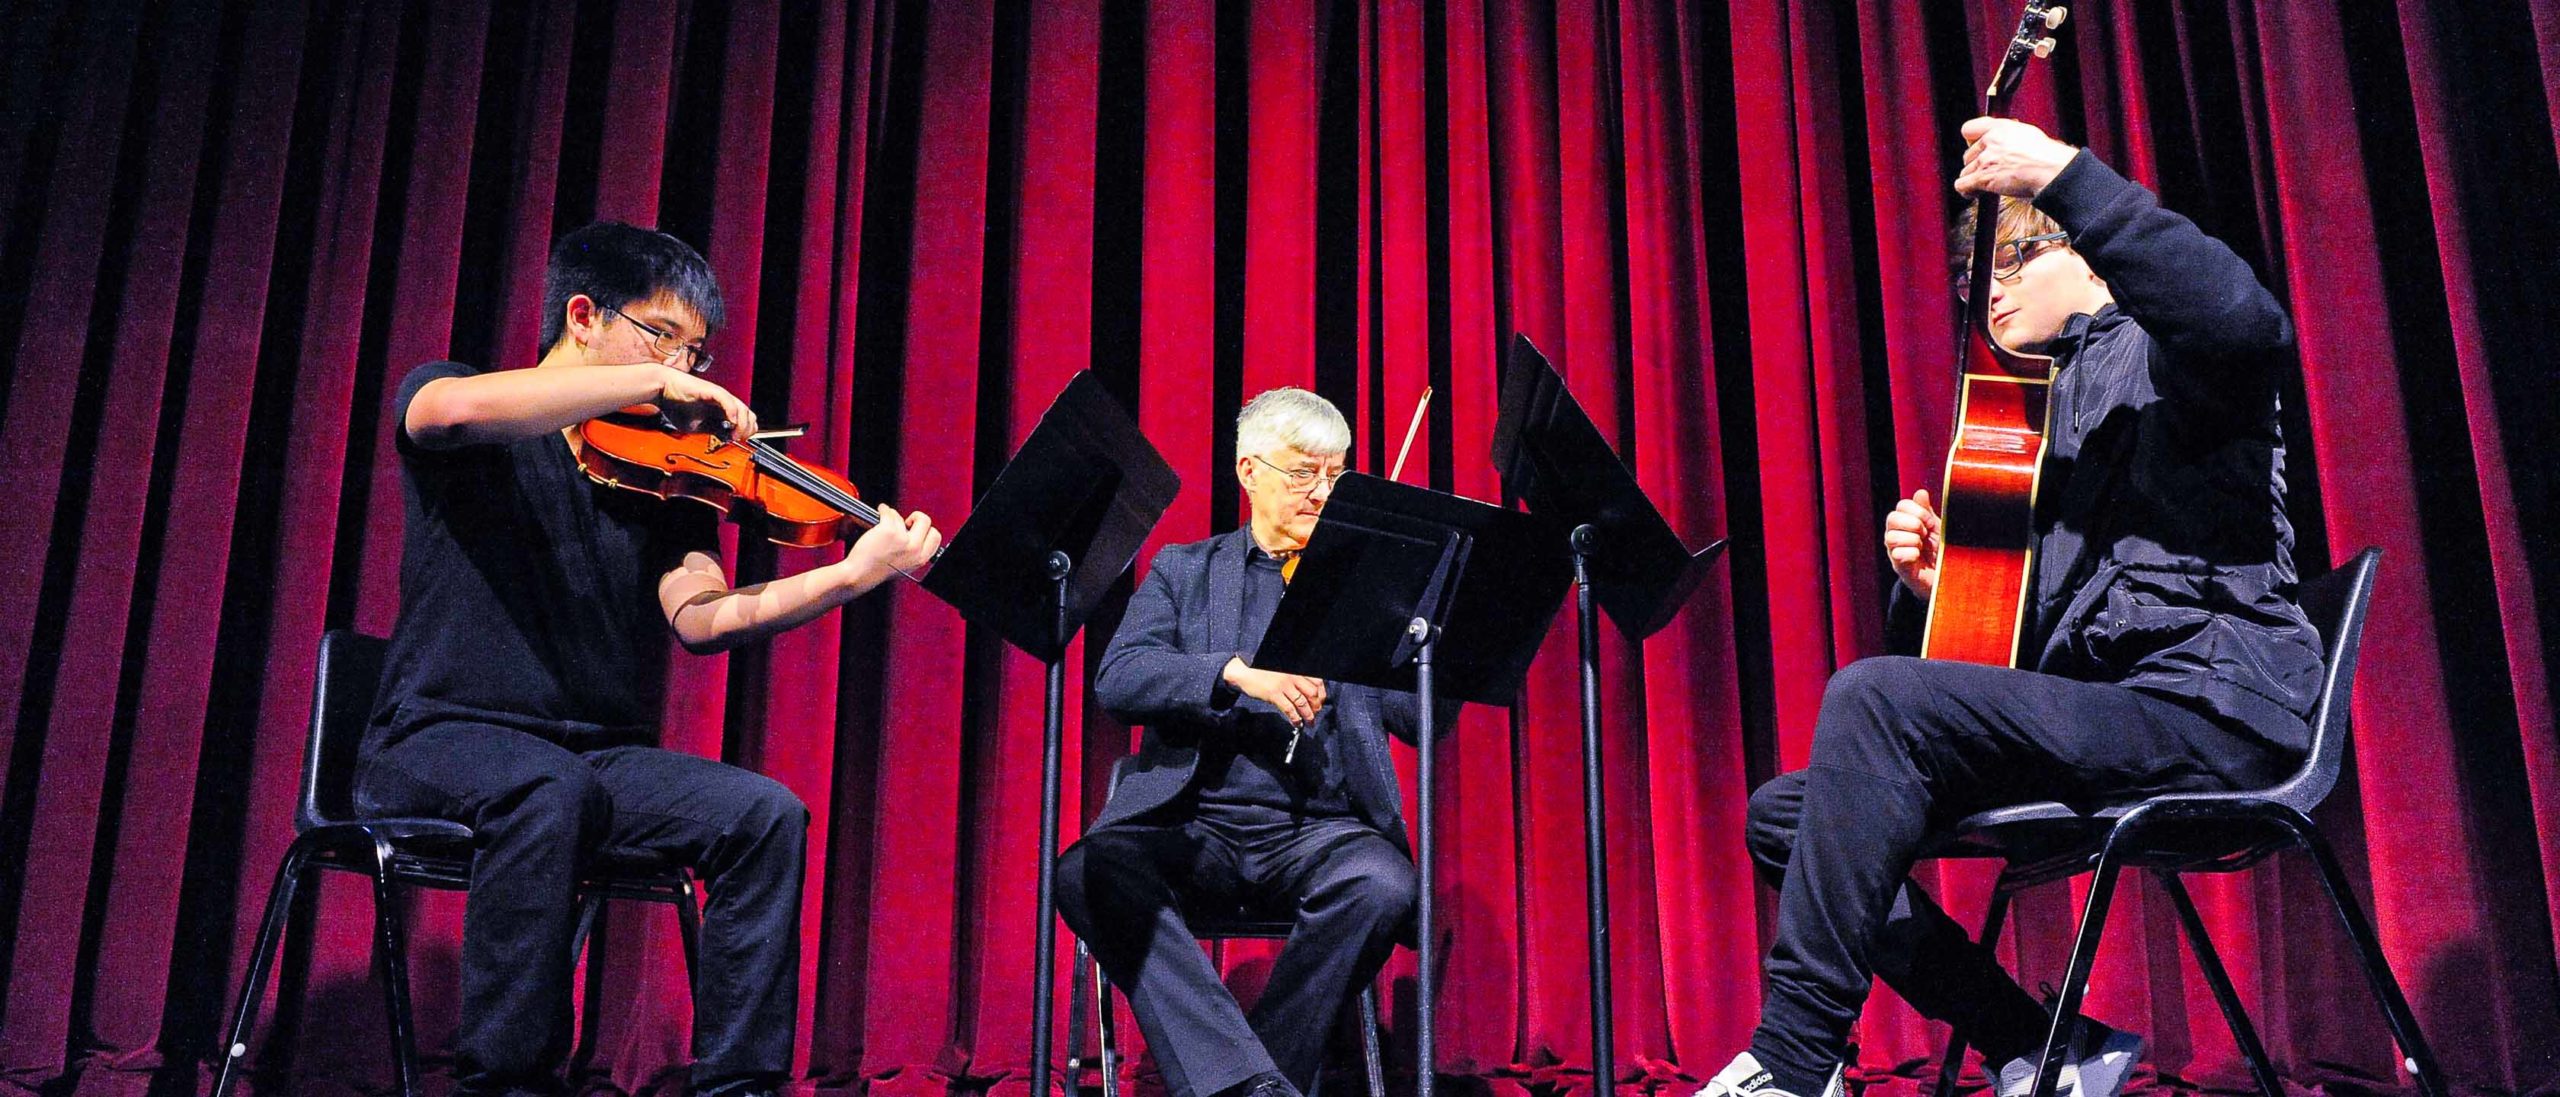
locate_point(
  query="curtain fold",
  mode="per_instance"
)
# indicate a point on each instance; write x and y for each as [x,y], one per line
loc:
[230,228]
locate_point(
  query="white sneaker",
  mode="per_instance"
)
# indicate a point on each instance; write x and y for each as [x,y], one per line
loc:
[1745,1077]
[2095,1064]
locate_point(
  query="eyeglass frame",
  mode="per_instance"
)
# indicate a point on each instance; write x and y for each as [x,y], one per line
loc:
[2007,273]
[1291,481]
[700,358]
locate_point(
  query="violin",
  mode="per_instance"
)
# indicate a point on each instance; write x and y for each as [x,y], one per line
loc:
[804,506]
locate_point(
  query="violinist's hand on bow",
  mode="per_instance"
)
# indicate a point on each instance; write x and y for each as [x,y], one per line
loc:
[1298,697]
[690,399]
[902,544]
[2007,156]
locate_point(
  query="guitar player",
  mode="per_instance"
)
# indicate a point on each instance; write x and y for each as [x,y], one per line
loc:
[2162,651]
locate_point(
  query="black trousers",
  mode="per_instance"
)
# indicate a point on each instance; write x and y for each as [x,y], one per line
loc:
[1903,748]
[538,809]
[1123,889]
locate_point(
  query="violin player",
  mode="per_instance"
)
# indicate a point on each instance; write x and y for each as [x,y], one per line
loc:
[524,678]
[2163,651]
[1251,788]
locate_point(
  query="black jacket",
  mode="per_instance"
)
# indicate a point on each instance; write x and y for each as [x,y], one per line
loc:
[1163,669]
[2163,556]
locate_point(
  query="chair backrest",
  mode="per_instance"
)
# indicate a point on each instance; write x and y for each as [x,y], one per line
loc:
[342,695]
[2336,604]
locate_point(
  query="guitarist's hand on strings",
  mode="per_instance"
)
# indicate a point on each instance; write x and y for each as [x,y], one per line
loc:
[2007,156]
[1911,542]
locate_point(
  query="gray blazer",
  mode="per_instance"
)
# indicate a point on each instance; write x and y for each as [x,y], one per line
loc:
[1162,670]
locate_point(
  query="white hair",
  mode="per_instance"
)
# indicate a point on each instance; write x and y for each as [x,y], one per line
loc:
[1294,418]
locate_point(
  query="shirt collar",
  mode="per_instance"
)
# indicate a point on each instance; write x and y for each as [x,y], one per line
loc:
[2081,326]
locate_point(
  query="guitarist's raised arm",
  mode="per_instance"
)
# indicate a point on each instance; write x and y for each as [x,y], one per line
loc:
[2189,290]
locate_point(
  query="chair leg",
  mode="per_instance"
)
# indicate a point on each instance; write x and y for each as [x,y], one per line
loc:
[2242,1032]
[1106,1032]
[391,946]
[592,942]
[689,928]
[1076,1011]
[2415,1058]
[1951,1066]
[2075,978]
[253,989]
[1369,1056]
[588,906]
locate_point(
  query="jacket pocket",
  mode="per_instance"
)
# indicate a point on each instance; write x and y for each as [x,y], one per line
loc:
[2227,627]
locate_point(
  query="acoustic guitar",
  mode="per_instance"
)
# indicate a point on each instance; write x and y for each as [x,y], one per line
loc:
[1986,531]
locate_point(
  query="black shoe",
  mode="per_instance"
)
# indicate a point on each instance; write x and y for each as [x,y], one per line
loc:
[1269,1083]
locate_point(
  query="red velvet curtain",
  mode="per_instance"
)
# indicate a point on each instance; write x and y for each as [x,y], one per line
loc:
[228,227]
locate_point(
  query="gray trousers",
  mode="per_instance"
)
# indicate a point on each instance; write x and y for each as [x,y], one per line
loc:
[1124,887]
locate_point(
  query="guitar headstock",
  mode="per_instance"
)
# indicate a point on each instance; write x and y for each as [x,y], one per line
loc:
[2032,39]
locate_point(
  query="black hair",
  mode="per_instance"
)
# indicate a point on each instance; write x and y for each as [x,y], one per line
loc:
[615,264]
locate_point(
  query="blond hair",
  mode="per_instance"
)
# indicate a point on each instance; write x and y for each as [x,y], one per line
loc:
[2019,219]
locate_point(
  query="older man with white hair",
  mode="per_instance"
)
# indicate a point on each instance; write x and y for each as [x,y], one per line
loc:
[1251,787]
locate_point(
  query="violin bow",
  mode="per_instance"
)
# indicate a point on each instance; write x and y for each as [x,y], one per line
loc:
[1419,406]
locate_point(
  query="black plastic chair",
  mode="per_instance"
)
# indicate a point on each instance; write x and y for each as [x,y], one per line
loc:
[1237,924]
[2200,832]
[416,852]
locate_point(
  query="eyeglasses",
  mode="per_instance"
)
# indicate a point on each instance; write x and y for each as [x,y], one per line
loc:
[1301,481]
[2010,258]
[666,347]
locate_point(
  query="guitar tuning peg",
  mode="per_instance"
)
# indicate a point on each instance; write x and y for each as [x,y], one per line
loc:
[2044,47]
[2053,17]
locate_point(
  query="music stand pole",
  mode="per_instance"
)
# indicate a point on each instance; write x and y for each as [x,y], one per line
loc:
[1391,574]
[1427,857]
[1555,459]
[1053,739]
[1595,851]
[1061,522]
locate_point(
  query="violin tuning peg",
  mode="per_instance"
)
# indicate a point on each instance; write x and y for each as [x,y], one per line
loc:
[2044,47]
[2053,17]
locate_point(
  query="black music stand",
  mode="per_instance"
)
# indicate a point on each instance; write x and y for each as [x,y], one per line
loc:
[1040,550]
[1408,589]
[1624,554]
